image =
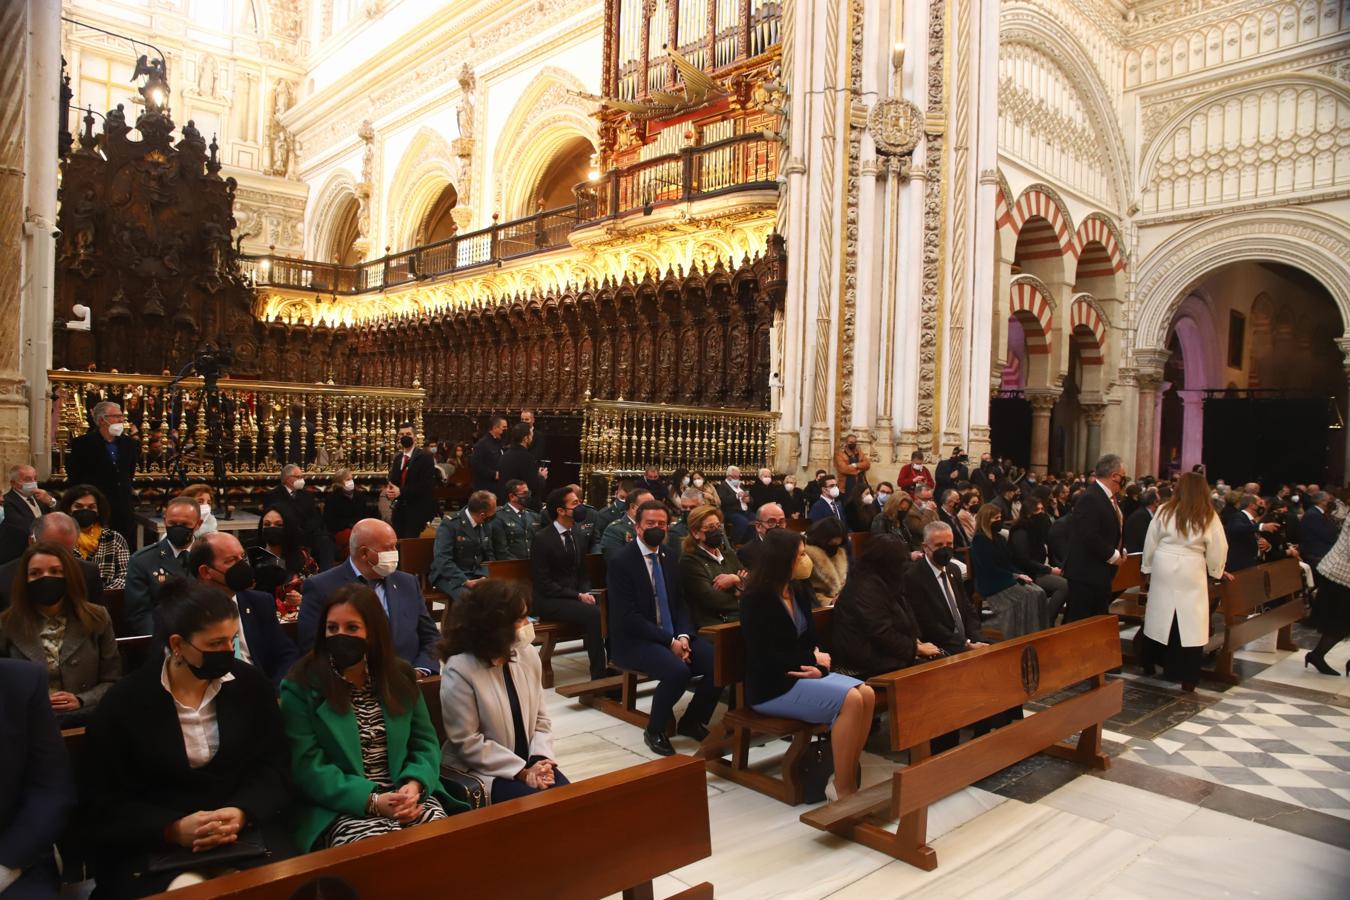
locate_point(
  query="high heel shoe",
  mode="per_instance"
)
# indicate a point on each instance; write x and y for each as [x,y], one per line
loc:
[1319,663]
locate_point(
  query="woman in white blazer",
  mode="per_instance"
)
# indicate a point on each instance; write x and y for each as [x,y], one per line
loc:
[1185,543]
[492,695]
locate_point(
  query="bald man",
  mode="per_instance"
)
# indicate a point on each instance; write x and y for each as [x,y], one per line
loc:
[373,560]
[218,558]
[61,528]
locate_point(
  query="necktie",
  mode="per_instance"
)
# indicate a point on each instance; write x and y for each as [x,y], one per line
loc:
[951,604]
[238,647]
[662,601]
[567,542]
[403,474]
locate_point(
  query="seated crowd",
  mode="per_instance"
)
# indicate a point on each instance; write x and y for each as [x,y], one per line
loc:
[279,711]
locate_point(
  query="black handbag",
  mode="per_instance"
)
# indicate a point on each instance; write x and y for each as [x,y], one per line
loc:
[465,788]
[815,768]
[247,846]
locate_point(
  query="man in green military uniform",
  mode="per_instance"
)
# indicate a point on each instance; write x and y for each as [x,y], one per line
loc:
[514,527]
[623,530]
[463,546]
[617,507]
[150,567]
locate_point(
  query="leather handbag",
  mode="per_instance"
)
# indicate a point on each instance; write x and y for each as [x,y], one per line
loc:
[464,787]
[816,768]
[247,846]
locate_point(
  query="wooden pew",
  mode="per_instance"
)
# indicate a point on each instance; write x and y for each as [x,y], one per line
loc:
[741,724]
[414,557]
[115,601]
[539,846]
[935,698]
[858,540]
[1257,601]
[547,634]
[599,693]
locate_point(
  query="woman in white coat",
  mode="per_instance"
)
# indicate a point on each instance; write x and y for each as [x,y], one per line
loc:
[492,695]
[1185,543]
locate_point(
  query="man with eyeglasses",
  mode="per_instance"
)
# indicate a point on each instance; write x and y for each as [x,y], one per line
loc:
[1095,545]
[107,459]
[767,518]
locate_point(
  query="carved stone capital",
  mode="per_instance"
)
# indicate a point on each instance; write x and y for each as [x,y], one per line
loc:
[1042,402]
[1093,413]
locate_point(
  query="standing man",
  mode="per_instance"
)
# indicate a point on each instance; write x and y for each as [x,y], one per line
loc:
[412,484]
[735,502]
[107,459]
[24,502]
[463,546]
[651,481]
[562,592]
[1137,522]
[828,504]
[987,476]
[538,442]
[150,567]
[514,527]
[300,512]
[520,464]
[650,631]
[486,458]
[951,470]
[851,465]
[1095,542]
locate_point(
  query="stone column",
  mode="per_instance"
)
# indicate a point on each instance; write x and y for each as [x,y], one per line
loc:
[1042,405]
[1093,414]
[13,163]
[1148,379]
[1192,428]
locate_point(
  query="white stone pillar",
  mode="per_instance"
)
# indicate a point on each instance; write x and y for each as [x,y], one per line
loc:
[867,308]
[1192,428]
[1148,379]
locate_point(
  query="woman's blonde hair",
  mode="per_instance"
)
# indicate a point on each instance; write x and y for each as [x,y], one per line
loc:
[340,476]
[1189,508]
[695,521]
[984,519]
[192,490]
[892,508]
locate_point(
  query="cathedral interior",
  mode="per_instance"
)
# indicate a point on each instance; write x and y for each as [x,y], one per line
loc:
[701,234]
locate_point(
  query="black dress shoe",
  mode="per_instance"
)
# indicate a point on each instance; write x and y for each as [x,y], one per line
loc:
[657,743]
[692,729]
[1319,663]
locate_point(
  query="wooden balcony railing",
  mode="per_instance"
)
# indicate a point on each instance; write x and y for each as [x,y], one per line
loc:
[743,162]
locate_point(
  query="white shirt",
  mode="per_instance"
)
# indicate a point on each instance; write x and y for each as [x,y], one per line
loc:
[201,733]
[242,650]
[648,555]
[561,529]
[377,584]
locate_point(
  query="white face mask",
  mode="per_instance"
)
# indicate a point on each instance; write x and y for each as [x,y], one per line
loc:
[684,482]
[206,509]
[866,499]
[790,485]
[387,564]
[349,486]
[298,484]
[766,479]
[698,482]
[525,633]
[116,428]
[29,488]
[833,493]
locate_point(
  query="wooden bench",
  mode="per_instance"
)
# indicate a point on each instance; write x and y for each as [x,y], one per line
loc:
[547,634]
[598,693]
[544,845]
[945,695]
[1259,600]
[741,724]
[857,540]
[414,557]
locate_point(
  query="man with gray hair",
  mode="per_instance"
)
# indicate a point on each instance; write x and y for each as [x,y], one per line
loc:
[1095,543]
[301,513]
[61,529]
[1137,522]
[106,458]
[1316,532]
[935,589]
[24,503]
[1244,530]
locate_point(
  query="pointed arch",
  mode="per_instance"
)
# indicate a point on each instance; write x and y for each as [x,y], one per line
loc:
[1088,327]
[548,116]
[427,168]
[326,213]
[1099,227]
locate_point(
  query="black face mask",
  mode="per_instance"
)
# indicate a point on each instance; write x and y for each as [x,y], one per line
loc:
[345,650]
[942,556]
[406,442]
[47,590]
[273,534]
[215,664]
[239,577]
[579,515]
[713,539]
[653,537]
[86,518]
[179,535]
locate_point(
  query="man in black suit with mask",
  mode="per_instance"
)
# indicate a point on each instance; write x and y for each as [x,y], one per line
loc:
[562,592]
[936,593]
[951,470]
[412,485]
[1095,543]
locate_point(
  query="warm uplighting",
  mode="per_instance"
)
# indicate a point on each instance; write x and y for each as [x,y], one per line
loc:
[898,54]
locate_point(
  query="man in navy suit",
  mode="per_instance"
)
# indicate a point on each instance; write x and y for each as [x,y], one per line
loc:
[650,630]
[1243,530]
[37,791]
[373,560]
[828,504]
[1316,533]
[218,558]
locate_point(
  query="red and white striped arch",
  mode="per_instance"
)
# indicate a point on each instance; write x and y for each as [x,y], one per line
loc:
[1034,203]
[1089,330]
[1029,302]
[1095,228]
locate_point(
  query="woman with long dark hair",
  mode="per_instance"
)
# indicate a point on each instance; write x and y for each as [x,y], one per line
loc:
[279,562]
[786,672]
[829,560]
[1185,542]
[50,621]
[874,630]
[492,696]
[364,755]
[185,758]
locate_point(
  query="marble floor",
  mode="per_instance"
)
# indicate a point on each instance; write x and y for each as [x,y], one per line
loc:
[1233,792]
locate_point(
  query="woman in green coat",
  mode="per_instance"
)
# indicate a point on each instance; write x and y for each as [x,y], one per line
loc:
[710,574]
[365,758]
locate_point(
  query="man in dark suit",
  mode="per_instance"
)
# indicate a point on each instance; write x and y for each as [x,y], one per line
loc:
[62,529]
[107,459]
[298,508]
[24,502]
[936,593]
[373,560]
[562,592]
[650,631]
[1137,522]
[519,464]
[218,558]
[486,459]
[948,509]
[1244,530]
[767,517]
[150,567]
[412,484]
[651,481]
[1316,533]
[951,470]
[463,546]
[538,443]
[828,504]
[987,476]
[1095,547]
[37,788]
